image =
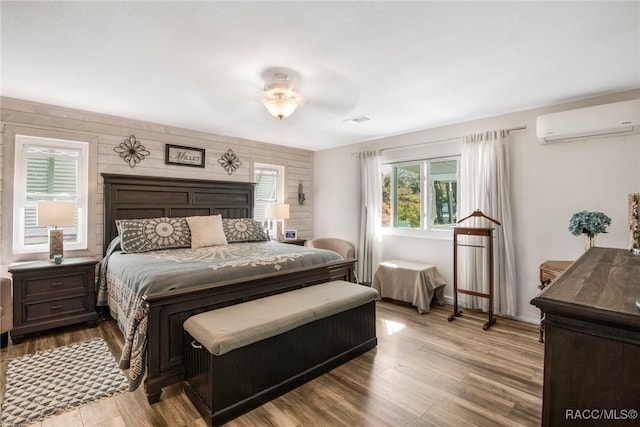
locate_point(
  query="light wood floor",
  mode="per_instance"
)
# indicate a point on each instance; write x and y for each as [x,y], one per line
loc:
[425,371]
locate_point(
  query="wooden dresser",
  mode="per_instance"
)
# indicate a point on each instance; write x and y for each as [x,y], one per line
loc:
[592,345]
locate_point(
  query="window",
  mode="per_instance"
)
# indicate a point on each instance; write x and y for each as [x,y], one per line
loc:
[420,195]
[52,170]
[269,188]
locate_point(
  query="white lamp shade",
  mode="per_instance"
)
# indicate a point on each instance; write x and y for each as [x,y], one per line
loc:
[281,211]
[55,213]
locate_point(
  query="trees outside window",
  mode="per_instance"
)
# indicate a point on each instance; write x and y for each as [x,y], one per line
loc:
[420,195]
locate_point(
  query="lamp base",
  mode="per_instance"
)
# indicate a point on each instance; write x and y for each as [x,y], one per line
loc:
[56,245]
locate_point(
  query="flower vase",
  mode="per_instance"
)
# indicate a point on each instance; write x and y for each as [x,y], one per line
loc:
[589,241]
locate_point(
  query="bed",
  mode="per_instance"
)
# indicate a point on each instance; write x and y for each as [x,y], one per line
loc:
[152,293]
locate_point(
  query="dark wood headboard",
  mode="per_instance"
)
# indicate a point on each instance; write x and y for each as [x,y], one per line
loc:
[134,197]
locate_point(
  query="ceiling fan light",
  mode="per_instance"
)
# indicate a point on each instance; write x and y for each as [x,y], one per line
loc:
[280,96]
[280,108]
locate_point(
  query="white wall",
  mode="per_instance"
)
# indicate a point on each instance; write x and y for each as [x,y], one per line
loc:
[337,170]
[549,183]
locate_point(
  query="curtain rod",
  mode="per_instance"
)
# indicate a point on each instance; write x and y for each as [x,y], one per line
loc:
[436,141]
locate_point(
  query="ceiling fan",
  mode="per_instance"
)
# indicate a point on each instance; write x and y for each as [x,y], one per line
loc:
[318,90]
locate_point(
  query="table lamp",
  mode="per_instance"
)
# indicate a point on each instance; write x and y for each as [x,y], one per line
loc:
[282,213]
[278,212]
[55,214]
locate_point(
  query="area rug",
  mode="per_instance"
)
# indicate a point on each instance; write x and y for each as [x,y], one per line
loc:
[58,380]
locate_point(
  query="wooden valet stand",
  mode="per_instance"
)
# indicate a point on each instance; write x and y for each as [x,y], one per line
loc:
[473,231]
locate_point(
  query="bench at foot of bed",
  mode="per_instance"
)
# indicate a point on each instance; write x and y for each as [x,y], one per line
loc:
[239,357]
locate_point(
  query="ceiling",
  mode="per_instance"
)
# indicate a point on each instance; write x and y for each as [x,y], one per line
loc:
[406,66]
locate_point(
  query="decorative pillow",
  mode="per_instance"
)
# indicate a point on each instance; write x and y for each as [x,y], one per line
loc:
[113,246]
[150,234]
[206,231]
[243,230]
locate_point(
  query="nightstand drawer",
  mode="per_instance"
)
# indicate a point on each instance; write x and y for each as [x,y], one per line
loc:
[55,308]
[50,286]
[550,270]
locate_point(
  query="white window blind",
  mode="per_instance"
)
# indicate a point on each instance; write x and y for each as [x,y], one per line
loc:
[266,190]
[269,190]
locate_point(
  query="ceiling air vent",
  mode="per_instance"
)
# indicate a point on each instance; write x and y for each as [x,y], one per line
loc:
[358,119]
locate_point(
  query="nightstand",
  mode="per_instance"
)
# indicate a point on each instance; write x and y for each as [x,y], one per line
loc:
[299,242]
[48,295]
[549,271]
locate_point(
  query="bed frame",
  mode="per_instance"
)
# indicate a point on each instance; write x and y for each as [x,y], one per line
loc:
[133,197]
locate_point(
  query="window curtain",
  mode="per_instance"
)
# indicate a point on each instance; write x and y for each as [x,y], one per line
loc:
[485,185]
[369,245]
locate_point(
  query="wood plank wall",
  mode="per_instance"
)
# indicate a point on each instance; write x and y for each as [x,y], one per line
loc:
[107,132]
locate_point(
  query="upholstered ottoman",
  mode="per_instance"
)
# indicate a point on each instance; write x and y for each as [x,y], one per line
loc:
[239,357]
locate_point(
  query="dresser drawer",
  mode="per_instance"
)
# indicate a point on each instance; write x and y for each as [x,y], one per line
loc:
[51,286]
[54,308]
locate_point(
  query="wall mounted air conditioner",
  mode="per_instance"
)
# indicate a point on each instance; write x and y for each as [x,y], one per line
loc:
[618,118]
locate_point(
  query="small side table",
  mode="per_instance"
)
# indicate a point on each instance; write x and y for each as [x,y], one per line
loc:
[415,283]
[549,271]
[48,295]
[299,242]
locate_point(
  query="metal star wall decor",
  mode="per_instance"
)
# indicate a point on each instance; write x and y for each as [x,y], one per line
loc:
[230,162]
[131,151]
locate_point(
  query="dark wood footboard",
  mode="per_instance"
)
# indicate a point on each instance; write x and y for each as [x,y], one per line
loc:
[169,310]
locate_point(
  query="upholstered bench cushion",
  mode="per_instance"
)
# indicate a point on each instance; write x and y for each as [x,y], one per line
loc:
[225,329]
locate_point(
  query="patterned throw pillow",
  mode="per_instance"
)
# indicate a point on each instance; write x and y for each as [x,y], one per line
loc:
[150,234]
[243,230]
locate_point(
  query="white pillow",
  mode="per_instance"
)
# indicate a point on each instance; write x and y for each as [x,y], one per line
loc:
[206,231]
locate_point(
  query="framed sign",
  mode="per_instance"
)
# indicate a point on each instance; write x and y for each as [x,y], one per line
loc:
[184,156]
